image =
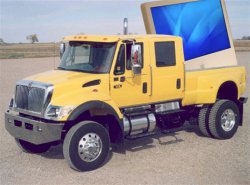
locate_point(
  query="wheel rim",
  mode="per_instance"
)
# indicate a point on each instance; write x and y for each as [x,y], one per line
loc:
[90,147]
[228,120]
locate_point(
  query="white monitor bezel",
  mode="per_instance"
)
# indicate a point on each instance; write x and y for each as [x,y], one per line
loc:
[222,58]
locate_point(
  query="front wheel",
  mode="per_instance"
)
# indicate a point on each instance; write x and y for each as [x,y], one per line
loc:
[224,119]
[32,148]
[86,146]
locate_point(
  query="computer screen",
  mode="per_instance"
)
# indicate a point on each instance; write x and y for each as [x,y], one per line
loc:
[201,24]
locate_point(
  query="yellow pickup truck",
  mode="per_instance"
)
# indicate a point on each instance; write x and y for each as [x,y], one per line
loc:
[110,88]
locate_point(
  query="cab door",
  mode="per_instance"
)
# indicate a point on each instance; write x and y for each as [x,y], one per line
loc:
[126,88]
[168,69]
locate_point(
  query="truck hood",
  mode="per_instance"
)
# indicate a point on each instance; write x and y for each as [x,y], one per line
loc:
[73,86]
[57,77]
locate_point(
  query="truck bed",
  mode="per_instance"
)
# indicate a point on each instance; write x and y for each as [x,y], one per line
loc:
[202,86]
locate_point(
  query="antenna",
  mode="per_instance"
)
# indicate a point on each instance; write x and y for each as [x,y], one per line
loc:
[125,26]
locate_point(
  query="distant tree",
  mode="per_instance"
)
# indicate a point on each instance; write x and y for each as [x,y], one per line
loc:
[246,38]
[32,38]
[2,41]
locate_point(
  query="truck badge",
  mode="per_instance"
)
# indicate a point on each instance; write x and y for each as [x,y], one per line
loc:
[30,86]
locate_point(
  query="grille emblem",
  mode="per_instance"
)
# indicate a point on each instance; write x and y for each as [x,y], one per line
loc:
[30,86]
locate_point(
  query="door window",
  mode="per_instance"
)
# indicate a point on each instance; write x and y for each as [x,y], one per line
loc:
[120,63]
[165,54]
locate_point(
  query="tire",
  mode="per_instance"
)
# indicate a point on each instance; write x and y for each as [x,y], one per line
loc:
[81,136]
[32,148]
[224,119]
[203,120]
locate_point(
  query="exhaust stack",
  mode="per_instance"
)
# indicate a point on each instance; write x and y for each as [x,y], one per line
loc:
[125,26]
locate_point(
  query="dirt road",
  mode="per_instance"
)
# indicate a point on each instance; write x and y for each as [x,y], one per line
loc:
[179,158]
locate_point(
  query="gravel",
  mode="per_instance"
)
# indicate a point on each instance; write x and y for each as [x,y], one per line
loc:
[183,157]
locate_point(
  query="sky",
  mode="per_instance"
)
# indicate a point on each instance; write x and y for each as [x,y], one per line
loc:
[51,20]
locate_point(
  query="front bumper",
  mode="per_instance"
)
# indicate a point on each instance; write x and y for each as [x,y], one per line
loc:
[33,131]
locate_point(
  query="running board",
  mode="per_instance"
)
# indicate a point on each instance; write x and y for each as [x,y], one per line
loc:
[138,136]
[158,131]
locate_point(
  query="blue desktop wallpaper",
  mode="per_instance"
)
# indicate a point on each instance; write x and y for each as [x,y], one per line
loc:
[201,25]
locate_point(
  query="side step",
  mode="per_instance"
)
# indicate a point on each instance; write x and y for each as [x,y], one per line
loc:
[138,136]
[169,131]
[158,131]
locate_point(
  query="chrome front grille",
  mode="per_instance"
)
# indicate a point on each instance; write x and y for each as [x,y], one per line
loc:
[29,98]
[36,99]
[21,98]
[32,96]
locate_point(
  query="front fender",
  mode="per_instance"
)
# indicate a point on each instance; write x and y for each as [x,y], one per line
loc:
[107,105]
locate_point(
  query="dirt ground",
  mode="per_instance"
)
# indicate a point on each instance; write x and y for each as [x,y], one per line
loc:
[182,157]
[36,50]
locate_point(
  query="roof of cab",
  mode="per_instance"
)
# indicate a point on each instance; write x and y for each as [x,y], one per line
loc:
[111,38]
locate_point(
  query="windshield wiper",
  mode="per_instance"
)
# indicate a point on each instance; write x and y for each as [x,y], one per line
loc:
[61,68]
[76,70]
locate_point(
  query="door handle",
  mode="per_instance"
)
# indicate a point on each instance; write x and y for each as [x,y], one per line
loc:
[145,87]
[122,79]
[178,83]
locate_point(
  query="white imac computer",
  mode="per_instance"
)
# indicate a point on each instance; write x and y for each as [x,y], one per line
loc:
[203,26]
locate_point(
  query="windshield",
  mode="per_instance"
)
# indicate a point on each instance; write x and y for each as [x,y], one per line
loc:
[92,57]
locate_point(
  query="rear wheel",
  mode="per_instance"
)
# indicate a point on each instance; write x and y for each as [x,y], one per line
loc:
[86,146]
[224,119]
[32,148]
[203,120]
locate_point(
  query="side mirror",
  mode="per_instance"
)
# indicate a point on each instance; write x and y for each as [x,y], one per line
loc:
[136,68]
[136,59]
[62,49]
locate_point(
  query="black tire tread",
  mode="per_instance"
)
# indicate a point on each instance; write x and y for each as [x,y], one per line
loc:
[212,118]
[203,120]
[67,141]
[31,148]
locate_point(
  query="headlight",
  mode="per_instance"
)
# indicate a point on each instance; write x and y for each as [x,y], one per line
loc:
[58,112]
[11,104]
